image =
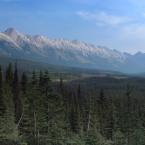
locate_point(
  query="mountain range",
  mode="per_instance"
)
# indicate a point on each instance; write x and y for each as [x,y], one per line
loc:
[68,53]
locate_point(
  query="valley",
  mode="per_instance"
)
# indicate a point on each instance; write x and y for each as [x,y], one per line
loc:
[63,92]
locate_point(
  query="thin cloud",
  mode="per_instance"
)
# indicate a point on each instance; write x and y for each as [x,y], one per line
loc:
[135,31]
[131,38]
[103,18]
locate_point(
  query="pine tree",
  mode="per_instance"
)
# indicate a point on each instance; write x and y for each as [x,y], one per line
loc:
[34,78]
[41,81]
[79,96]
[119,138]
[61,86]
[1,80]
[2,102]
[33,98]
[10,130]
[2,105]
[27,123]
[110,119]
[102,102]
[75,114]
[128,114]
[46,83]
[24,81]
[9,74]
[16,95]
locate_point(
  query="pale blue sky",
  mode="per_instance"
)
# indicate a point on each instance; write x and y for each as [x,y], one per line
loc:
[117,24]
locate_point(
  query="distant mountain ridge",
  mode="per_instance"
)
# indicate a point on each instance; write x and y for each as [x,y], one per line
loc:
[68,52]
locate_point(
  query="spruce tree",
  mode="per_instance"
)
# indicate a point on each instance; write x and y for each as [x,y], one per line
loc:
[75,117]
[1,80]
[61,86]
[128,114]
[34,78]
[2,102]
[10,130]
[27,123]
[16,95]
[102,111]
[46,83]
[24,81]
[2,105]
[9,74]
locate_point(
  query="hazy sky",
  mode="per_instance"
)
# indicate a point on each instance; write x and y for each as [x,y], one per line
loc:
[117,24]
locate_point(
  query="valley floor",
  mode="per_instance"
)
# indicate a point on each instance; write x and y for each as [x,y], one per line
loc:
[34,110]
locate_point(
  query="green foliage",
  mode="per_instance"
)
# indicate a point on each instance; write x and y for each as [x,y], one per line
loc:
[8,128]
[94,138]
[36,111]
[9,74]
[24,81]
[119,138]
[138,136]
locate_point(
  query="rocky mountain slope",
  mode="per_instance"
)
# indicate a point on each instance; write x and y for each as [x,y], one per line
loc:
[68,52]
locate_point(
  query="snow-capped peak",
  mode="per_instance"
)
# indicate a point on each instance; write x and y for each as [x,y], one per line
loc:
[39,40]
[11,32]
[43,45]
[16,35]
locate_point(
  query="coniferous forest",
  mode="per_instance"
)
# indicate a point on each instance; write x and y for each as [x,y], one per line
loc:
[34,110]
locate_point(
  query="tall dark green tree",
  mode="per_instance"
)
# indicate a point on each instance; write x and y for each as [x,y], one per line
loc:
[27,122]
[46,83]
[102,108]
[61,86]
[2,102]
[24,81]
[34,78]
[9,74]
[16,95]
[128,114]
[1,80]
[74,116]
[110,127]
[8,127]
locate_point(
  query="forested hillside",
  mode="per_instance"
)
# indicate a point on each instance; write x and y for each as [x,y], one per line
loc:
[36,111]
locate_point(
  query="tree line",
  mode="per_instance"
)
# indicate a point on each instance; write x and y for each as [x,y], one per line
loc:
[36,111]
